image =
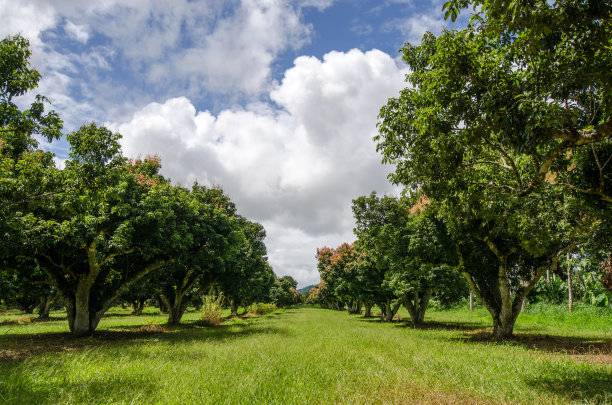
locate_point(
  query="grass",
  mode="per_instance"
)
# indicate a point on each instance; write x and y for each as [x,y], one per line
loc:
[308,355]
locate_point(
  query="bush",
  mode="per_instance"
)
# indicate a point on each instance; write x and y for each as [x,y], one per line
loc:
[211,309]
[261,309]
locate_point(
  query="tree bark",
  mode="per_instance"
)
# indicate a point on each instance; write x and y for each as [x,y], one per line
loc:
[418,305]
[234,307]
[506,311]
[570,295]
[138,306]
[82,321]
[368,310]
[176,308]
[388,311]
[471,301]
[46,302]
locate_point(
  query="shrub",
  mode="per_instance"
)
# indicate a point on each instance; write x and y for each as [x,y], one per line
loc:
[211,309]
[261,309]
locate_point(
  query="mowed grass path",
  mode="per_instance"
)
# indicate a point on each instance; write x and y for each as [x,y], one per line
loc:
[303,356]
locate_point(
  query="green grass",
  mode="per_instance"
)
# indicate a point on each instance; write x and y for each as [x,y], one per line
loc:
[309,355]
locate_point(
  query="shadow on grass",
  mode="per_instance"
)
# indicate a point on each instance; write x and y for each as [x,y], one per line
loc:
[581,385]
[429,325]
[451,326]
[16,347]
[26,319]
[23,387]
[547,343]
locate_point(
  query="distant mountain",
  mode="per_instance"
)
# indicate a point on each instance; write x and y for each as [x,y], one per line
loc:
[306,289]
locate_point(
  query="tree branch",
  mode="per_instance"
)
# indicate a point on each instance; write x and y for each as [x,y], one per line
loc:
[506,157]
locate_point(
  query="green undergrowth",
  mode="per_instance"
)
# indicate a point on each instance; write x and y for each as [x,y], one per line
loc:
[538,318]
[301,356]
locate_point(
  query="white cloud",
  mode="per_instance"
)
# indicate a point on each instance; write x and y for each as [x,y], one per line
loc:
[28,18]
[197,49]
[318,4]
[295,166]
[414,27]
[238,53]
[78,32]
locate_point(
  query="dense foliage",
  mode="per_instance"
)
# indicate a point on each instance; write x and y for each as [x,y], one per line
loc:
[106,228]
[506,126]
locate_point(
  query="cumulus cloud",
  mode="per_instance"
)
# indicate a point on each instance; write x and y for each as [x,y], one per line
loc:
[294,165]
[201,49]
[26,18]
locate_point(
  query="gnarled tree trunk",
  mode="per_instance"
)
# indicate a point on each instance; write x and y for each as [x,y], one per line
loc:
[354,307]
[138,306]
[46,302]
[176,308]
[368,310]
[507,307]
[388,311]
[234,307]
[418,305]
[83,311]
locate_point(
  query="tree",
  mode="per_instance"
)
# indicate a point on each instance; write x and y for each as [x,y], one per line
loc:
[517,102]
[112,223]
[17,78]
[248,277]
[410,246]
[344,269]
[506,127]
[321,295]
[27,174]
[283,292]
[211,242]
[27,288]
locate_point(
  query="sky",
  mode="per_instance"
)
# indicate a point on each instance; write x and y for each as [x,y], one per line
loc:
[276,101]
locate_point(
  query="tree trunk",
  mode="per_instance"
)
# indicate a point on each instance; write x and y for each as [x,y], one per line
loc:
[234,307]
[354,307]
[417,307]
[506,309]
[82,319]
[503,327]
[389,312]
[162,308]
[570,295]
[368,310]
[138,306]
[471,301]
[46,302]
[176,309]
[69,303]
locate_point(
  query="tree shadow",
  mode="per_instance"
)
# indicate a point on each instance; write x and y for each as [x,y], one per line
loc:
[450,326]
[24,388]
[18,347]
[584,385]
[570,345]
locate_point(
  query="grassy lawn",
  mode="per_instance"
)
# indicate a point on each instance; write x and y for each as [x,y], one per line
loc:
[308,355]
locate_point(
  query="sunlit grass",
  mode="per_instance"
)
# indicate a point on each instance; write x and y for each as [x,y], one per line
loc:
[300,356]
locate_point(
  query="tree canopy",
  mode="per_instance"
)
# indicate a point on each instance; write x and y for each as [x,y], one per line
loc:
[506,127]
[94,228]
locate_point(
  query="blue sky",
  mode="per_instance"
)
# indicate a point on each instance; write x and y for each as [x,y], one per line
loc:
[274,100]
